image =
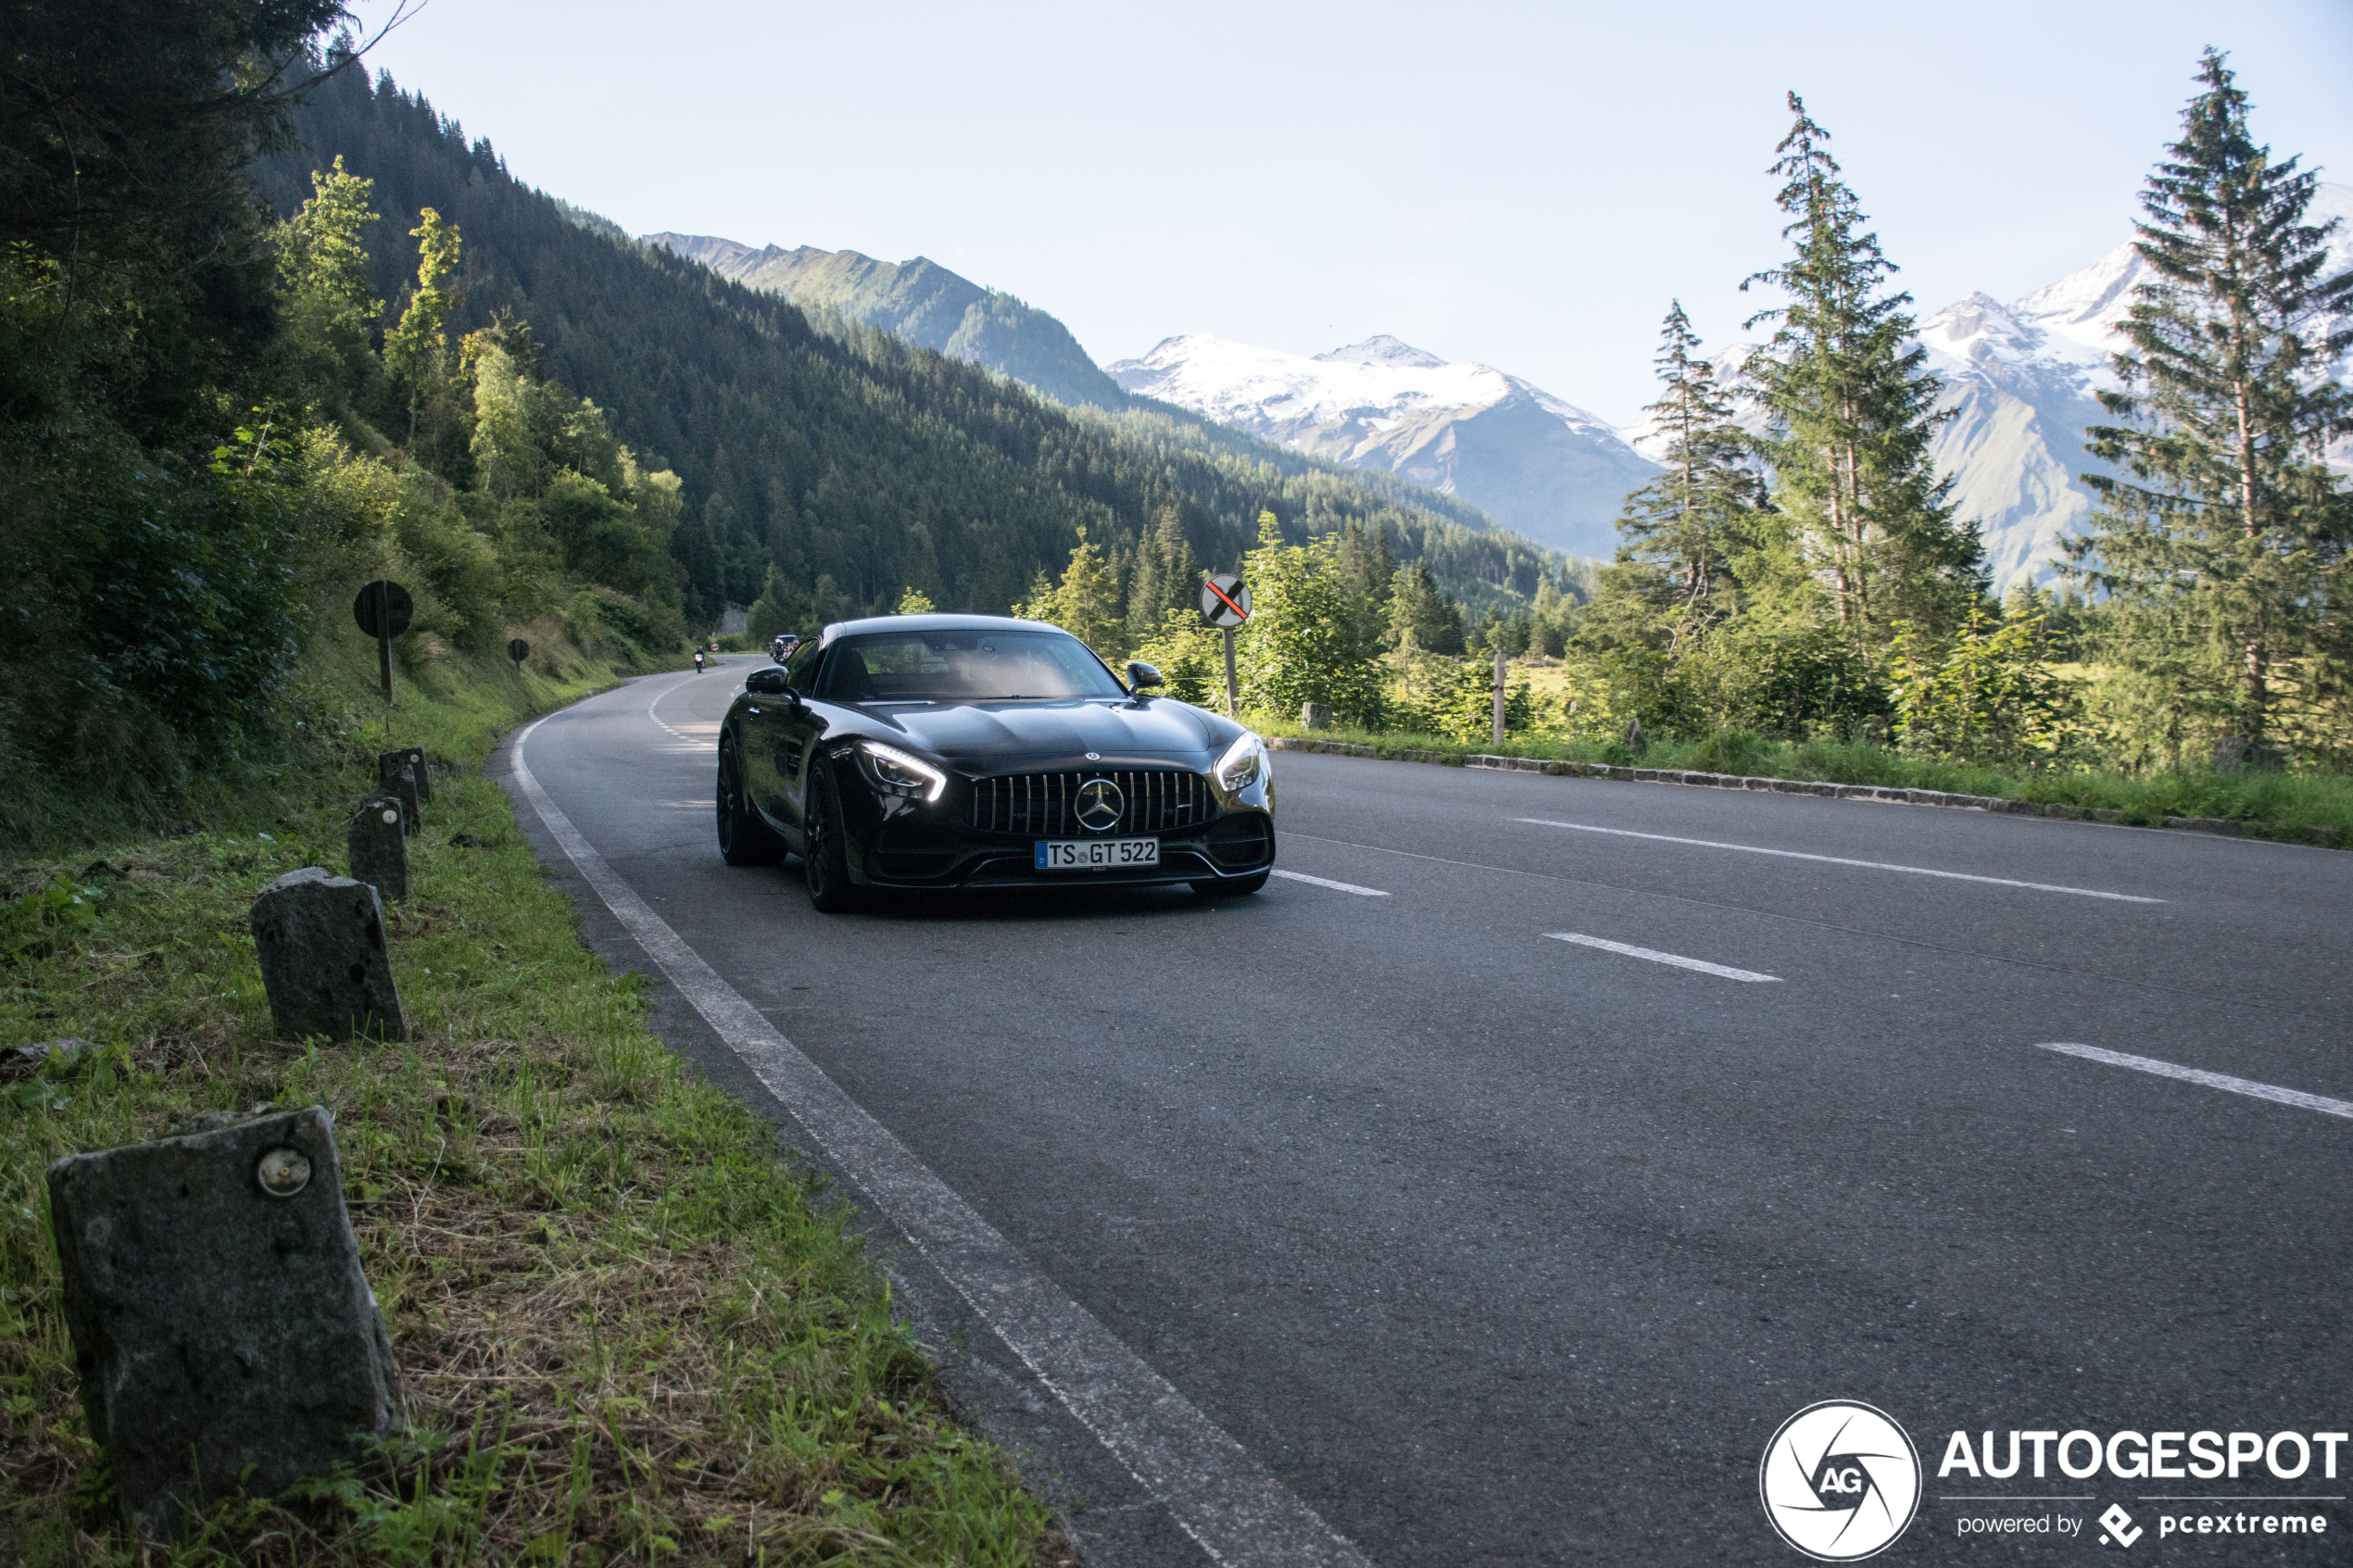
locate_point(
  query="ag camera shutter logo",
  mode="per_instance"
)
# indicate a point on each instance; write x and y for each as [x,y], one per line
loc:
[1840,1481]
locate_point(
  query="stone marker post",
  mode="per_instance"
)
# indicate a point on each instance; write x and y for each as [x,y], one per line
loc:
[380,847]
[389,763]
[1315,715]
[403,785]
[320,940]
[219,1315]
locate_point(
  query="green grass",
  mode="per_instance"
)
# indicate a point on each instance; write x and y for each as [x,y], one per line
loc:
[628,1328]
[2300,808]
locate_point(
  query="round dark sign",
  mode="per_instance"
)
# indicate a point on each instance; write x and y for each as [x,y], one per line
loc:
[397,606]
[1225,600]
[518,650]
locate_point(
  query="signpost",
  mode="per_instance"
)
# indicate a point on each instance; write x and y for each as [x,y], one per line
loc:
[1499,693]
[383,611]
[1225,604]
[518,650]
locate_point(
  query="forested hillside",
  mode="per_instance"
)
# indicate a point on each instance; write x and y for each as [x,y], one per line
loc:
[852,463]
[918,300]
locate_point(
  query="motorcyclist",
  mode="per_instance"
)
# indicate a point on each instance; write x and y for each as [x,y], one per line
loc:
[698,661]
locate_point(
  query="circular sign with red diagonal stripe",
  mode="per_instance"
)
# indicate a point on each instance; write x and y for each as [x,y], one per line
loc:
[1225,600]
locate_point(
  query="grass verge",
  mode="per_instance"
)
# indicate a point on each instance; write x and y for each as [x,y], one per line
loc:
[2298,807]
[628,1328]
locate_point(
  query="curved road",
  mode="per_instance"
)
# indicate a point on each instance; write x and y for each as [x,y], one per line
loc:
[1501,1181]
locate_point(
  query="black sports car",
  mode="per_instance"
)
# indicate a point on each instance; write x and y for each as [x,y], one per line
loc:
[942,751]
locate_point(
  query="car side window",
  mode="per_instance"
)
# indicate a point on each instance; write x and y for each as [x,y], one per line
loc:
[800,668]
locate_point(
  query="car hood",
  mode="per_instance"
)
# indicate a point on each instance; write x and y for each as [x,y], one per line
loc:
[1020,737]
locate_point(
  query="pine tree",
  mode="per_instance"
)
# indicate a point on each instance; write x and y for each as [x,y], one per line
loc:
[2225,550]
[1685,525]
[1853,411]
[1167,576]
[1421,618]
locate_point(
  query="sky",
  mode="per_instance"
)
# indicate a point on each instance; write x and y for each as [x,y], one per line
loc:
[1528,185]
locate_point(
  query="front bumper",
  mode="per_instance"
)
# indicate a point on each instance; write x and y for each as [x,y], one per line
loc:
[983,832]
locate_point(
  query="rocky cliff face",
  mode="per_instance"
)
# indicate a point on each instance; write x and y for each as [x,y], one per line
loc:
[919,300]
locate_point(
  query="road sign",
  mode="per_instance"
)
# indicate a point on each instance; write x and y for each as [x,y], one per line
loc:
[383,609]
[1225,600]
[387,600]
[518,650]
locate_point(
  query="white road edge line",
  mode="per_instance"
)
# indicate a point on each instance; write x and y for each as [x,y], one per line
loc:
[1655,956]
[1841,860]
[1230,1504]
[657,718]
[2320,1103]
[1334,886]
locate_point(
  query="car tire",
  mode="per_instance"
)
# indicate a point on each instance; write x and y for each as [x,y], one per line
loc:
[1238,887]
[825,865]
[744,838]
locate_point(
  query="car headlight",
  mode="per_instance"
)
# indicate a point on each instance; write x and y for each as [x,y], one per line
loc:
[1244,764]
[894,771]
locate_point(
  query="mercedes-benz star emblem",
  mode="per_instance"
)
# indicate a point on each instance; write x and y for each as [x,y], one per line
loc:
[1099,803]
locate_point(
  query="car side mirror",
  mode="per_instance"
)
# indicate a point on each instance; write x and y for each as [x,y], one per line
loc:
[767,683]
[1141,676]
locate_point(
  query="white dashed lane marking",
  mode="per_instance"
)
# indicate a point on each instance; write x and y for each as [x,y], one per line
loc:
[2320,1103]
[1841,860]
[1654,955]
[1334,886]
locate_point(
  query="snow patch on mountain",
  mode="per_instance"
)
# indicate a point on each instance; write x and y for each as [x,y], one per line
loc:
[1536,463]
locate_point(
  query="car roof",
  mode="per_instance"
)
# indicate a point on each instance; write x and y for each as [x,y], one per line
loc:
[929,624]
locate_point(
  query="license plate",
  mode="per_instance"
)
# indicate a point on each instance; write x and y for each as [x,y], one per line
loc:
[1096,854]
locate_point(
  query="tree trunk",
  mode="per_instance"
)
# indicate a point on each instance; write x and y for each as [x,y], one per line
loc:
[2257,700]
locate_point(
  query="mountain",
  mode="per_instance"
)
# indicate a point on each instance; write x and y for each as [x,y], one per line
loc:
[1538,466]
[920,301]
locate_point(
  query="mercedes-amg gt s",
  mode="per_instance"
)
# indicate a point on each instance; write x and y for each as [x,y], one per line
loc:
[954,751]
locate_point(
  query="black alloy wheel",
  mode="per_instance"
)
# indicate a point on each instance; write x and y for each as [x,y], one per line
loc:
[744,839]
[1238,887]
[822,861]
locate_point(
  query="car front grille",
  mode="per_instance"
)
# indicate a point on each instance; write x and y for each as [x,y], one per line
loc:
[1044,805]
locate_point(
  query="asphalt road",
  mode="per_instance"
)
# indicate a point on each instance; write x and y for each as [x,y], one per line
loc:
[1501,1248]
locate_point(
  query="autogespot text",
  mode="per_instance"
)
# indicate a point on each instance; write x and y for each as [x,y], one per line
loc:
[2156,1456]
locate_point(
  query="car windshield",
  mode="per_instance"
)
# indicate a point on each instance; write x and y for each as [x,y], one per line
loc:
[983,665]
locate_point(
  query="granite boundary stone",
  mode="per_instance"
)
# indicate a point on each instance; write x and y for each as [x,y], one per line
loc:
[389,763]
[378,840]
[320,940]
[402,787]
[217,1325]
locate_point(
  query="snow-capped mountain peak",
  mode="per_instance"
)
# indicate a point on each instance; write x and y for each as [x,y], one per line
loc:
[1980,326]
[1538,465]
[1381,349]
[2086,305]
